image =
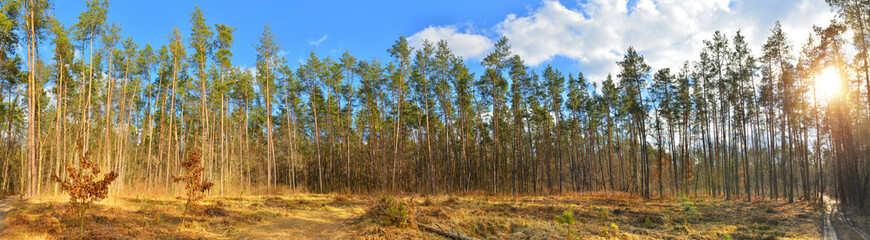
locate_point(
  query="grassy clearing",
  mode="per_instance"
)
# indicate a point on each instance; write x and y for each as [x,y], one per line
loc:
[313,216]
[581,217]
[293,216]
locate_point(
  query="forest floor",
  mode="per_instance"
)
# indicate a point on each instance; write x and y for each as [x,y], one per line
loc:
[315,216]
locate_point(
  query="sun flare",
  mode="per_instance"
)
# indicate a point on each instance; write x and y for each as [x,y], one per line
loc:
[827,83]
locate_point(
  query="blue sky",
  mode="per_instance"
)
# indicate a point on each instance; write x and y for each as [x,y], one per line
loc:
[364,28]
[587,36]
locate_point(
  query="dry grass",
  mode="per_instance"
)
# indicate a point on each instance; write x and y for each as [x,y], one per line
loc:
[162,218]
[315,216]
[604,217]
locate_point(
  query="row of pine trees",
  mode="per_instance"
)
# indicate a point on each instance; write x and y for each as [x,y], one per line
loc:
[731,123]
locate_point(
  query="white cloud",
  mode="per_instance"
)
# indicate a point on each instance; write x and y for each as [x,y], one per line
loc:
[316,43]
[596,33]
[464,44]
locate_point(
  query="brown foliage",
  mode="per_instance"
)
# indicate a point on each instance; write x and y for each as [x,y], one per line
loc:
[82,183]
[193,182]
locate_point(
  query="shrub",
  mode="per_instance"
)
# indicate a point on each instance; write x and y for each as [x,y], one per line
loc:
[396,211]
[603,213]
[566,218]
[389,211]
[193,182]
[451,200]
[689,208]
[615,231]
[82,184]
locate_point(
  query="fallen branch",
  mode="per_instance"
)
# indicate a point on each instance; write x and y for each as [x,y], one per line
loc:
[435,230]
[443,232]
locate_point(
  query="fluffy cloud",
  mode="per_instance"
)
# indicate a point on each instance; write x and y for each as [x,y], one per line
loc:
[596,33]
[463,44]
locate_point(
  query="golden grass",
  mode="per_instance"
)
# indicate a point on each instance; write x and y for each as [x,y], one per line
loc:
[325,216]
[608,217]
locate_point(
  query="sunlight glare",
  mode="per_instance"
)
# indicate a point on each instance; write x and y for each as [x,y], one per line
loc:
[828,83]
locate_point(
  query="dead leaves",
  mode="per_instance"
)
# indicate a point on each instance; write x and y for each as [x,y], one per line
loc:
[196,187]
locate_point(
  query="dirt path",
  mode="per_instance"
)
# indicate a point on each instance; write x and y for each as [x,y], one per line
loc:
[5,206]
[838,225]
[829,233]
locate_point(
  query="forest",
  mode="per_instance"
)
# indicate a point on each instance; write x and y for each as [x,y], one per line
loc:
[778,131]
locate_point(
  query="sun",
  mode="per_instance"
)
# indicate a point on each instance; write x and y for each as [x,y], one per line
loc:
[827,83]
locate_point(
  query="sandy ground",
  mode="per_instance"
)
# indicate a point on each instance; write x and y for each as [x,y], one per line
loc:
[5,206]
[303,224]
[838,225]
[828,233]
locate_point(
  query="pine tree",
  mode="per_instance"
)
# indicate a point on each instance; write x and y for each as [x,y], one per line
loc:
[223,57]
[267,62]
[63,56]
[201,42]
[553,82]
[401,52]
[661,94]
[90,25]
[495,85]
[176,57]
[36,22]
[633,75]
[519,78]
[744,66]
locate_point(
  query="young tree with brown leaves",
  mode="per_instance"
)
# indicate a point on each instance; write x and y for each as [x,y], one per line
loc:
[196,187]
[82,184]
